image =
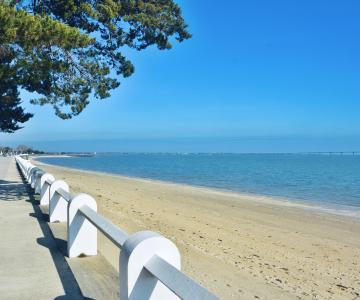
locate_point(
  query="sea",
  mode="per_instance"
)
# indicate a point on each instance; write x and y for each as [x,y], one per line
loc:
[330,182]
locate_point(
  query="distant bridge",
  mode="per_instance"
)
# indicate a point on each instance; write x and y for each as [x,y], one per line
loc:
[333,153]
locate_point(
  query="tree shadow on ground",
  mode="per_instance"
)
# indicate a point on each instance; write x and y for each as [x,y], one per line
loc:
[12,190]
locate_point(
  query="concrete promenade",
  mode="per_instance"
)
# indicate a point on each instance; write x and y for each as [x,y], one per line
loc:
[31,264]
[60,259]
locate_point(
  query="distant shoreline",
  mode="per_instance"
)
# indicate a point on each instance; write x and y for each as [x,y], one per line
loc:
[50,156]
[332,209]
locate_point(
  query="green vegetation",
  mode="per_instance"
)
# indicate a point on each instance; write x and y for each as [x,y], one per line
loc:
[21,149]
[66,51]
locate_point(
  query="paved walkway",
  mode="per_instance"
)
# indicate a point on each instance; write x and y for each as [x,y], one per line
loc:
[31,266]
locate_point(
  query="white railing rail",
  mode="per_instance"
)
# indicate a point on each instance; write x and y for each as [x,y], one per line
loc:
[149,262]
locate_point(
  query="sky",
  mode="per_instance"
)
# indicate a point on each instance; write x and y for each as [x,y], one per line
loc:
[257,76]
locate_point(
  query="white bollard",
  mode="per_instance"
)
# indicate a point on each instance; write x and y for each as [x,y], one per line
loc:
[37,184]
[135,281]
[45,188]
[82,235]
[31,170]
[57,204]
[27,174]
[30,167]
[32,176]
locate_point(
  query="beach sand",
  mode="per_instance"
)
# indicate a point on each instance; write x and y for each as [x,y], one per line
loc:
[238,246]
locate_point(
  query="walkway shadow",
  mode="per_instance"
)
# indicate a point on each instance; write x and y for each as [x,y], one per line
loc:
[68,280]
[12,190]
[60,244]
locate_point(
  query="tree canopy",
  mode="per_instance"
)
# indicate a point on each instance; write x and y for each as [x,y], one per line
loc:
[67,50]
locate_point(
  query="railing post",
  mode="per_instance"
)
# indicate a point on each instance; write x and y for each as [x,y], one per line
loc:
[33,171]
[37,185]
[31,174]
[30,168]
[45,188]
[135,281]
[27,173]
[82,235]
[57,205]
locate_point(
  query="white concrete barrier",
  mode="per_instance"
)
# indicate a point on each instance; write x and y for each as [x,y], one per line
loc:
[58,202]
[46,180]
[149,263]
[37,184]
[82,235]
[33,171]
[139,248]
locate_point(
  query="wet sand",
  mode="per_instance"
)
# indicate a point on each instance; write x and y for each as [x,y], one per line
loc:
[239,246]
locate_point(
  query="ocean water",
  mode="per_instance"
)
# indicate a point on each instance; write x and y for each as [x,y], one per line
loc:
[331,181]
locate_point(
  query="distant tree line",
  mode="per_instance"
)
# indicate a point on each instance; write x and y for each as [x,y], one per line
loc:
[21,149]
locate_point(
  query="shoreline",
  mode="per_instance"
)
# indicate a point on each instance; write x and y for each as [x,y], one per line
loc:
[352,212]
[238,246]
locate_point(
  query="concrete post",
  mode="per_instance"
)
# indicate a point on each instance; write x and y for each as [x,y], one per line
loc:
[57,204]
[37,184]
[30,167]
[45,188]
[27,173]
[33,176]
[82,235]
[135,281]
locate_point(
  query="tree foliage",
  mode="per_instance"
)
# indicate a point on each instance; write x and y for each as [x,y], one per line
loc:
[21,149]
[67,50]
[11,113]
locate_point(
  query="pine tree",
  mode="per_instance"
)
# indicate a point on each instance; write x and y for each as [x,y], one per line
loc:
[67,50]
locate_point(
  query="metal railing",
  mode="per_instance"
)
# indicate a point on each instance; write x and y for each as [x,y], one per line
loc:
[149,262]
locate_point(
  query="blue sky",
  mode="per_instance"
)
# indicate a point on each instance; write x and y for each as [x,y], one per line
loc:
[257,76]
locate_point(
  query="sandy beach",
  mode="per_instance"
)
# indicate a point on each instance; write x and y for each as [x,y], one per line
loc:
[238,246]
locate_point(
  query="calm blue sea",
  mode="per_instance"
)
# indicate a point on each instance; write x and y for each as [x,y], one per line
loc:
[327,180]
